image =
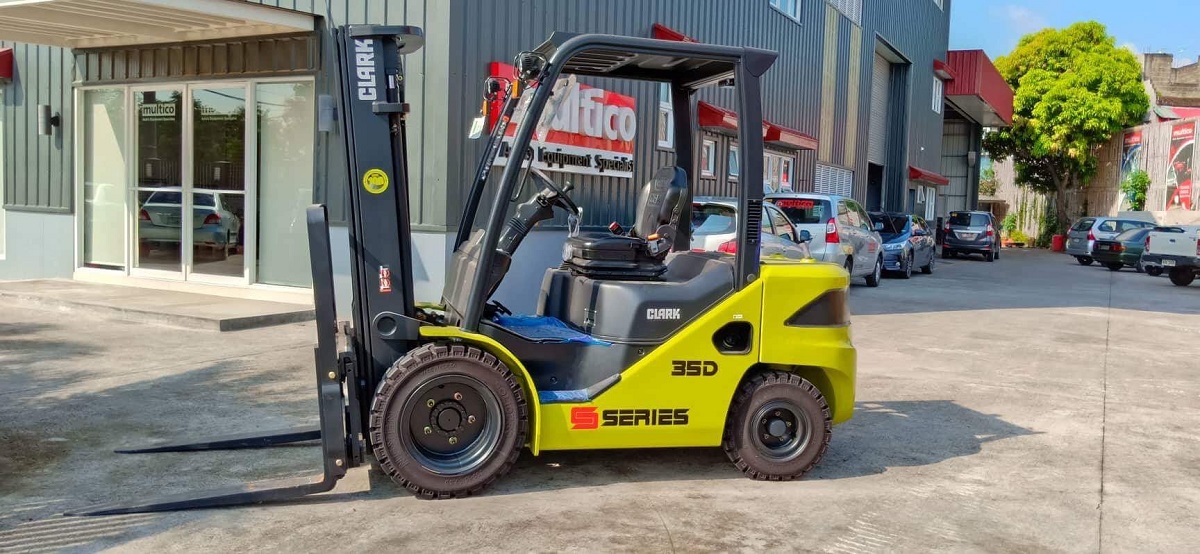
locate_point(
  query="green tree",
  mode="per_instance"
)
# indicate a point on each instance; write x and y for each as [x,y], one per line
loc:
[1075,89]
[1134,188]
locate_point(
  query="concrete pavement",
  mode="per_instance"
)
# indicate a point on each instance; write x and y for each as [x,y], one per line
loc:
[1024,405]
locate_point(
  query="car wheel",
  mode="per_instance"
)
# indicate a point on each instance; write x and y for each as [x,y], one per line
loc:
[1084,260]
[928,269]
[1182,276]
[1154,271]
[778,427]
[1114,266]
[906,271]
[877,274]
[989,256]
[448,420]
[946,253]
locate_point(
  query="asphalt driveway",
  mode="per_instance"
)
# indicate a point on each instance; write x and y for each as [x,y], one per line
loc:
[1024,405]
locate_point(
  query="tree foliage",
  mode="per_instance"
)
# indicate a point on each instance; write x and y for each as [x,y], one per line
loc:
[1074,89]
[1134,188]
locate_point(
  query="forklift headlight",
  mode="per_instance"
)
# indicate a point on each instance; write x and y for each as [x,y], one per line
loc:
[828,310]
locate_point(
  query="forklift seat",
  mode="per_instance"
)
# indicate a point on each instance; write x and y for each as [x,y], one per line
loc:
[639,254]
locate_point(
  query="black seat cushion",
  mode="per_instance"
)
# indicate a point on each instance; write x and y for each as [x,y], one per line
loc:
[612,256]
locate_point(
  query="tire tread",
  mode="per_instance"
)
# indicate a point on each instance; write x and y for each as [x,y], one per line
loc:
[743,395]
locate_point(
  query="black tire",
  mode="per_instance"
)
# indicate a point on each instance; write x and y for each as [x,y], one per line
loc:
[1182,276]
[457,381]
[1138,267]
[777,398]
[1154,271]
[877,274]
[927,269]
[1084,260]
[907,269]
[1114,266]
[989,256]
[947,253]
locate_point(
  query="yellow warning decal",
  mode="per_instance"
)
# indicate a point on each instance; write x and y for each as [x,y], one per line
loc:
[375,181]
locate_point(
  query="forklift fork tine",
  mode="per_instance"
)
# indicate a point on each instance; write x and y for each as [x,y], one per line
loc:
[233,442]
[248,493]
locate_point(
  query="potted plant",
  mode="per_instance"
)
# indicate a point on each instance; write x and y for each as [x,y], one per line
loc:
[1008,226]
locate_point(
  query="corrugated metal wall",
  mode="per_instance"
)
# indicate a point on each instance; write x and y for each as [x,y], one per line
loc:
[244,59]
[37,169]
[496,30]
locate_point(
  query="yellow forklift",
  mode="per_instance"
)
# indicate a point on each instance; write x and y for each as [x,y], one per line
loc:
[637,340]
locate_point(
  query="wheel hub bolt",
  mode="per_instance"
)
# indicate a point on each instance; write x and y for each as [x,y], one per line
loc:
[458,396]
[428,430]
[470,419]
[453,440]
[430,402]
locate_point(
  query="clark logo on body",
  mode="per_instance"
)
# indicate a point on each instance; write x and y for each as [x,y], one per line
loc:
[584,418]
[364,69]
[592,133]
[658,314]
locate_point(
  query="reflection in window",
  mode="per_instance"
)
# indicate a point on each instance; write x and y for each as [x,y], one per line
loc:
[285,181]
[666,127]
[708,155]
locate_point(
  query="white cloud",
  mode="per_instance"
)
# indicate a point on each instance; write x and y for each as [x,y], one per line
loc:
[1020,19]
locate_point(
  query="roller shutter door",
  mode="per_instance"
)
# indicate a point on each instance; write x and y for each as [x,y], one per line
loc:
[877,141]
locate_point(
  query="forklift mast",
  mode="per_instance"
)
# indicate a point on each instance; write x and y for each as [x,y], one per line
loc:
[373,113]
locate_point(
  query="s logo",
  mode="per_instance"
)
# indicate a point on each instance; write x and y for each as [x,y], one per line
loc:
[584,418]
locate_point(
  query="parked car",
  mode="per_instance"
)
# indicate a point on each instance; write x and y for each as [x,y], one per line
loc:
[213,223]
[1123,250]
[1150,264]
[1177,253]
[907,243]
[971,232]
[842,232]
[714,228]
[1082,236]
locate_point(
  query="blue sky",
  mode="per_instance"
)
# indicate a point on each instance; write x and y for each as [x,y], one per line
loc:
[1146,25]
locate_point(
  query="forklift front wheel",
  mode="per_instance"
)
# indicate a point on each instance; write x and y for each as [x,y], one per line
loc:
[778,427]
[447,420]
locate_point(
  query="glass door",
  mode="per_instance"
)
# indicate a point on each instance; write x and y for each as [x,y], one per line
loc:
[158,228]
[218,185]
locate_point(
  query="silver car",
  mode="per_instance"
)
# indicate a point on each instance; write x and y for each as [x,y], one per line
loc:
[842,232]
[1085,232]
[714,228]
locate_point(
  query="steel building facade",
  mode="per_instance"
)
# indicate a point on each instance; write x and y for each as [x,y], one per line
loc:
[849,72]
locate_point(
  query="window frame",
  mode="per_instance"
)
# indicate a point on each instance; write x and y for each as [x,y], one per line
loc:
[773,170]
[796,8]
[665,108]
[733,168]
[709,168]
[939,94]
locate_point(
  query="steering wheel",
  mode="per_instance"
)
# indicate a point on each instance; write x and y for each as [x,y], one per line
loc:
[560,194]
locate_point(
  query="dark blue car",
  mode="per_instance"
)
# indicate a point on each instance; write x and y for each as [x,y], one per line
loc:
[908,243]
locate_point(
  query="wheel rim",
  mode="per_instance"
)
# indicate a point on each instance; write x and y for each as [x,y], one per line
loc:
[878,269]
[453,424]
[781,430]
[908,263]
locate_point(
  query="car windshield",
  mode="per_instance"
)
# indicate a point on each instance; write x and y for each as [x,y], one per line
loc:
[713,219]
[1132,235]
[968,219]
[804,211]
[892,224]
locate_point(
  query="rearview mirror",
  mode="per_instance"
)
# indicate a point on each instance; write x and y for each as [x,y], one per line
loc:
[805,236]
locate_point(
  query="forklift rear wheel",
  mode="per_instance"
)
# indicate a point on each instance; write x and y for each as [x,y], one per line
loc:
[447,421]
[778,427]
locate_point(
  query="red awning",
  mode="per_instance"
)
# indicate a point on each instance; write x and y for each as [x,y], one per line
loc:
[778,135]
[978,90]
[942,70]
[6,64]
[662,32]
[716,119]
[918,174]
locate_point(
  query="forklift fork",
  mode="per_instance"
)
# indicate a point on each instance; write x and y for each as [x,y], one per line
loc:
[339,449]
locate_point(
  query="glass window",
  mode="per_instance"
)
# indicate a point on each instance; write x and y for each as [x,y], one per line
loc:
[713,219]
[285,181]
[804,211]
[708,158]
[777,172]
[1108,226]
[783,227]
[790,8]
[2,174]
[734,162]
[938,89]
[968,219]
[104,178]
[219,168]
[843,215]
[666,127]
[1083,224]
